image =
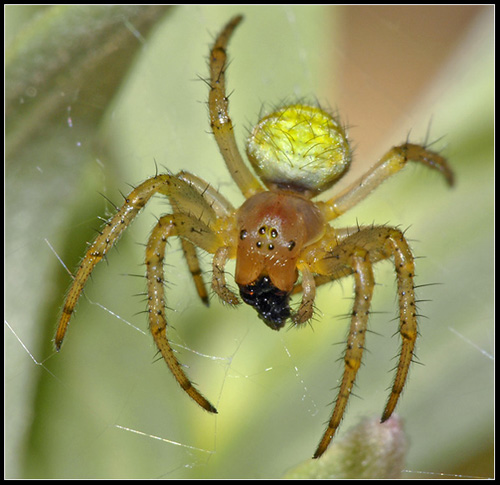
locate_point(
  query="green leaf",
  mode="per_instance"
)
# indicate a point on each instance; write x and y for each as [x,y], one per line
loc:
[370,450]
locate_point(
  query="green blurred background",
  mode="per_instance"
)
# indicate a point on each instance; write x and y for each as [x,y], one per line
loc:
[389,71]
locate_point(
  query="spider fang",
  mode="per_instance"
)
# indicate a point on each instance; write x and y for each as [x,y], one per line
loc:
[271,303]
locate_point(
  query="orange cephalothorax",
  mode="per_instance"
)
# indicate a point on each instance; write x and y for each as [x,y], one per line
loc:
[273,229]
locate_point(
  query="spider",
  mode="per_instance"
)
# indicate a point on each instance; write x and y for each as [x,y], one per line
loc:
[278,233]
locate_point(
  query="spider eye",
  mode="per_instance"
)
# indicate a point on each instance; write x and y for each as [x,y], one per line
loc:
[291,245]
[243,234]
[262,230]
[274,233]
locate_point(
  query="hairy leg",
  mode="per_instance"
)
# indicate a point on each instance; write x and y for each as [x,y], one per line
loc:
[364,283]
[391,163]
[342,258]
[169,225]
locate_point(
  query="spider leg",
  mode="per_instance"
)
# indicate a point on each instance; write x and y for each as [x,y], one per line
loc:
[335,236]
[364,283]
[210,200]
[408,329]
[221,206]
[111,232]
[198,233]
[220,121]
[356,254]
[189,250]
[392,162]
[183,197]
